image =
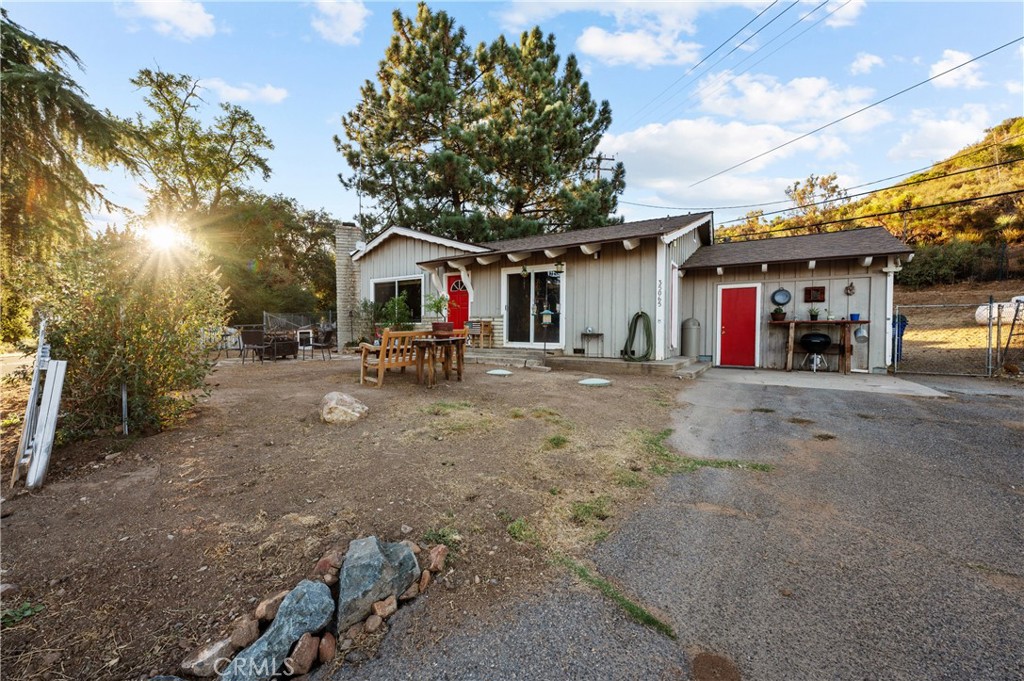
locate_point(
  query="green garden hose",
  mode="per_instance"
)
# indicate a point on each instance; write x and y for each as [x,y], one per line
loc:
[627,351]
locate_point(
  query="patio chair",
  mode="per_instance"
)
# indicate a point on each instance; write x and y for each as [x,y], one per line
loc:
[324,345]
[480,331]
[254,342]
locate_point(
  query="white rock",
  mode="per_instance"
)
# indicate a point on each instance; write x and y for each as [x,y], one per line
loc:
[210,659]
[341,408]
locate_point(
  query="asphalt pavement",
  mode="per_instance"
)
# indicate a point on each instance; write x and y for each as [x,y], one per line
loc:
[887,543]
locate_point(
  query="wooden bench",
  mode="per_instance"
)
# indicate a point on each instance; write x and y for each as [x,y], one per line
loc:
[396,351]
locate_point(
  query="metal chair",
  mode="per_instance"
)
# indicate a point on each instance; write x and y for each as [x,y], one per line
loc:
[255,343]
[324,345]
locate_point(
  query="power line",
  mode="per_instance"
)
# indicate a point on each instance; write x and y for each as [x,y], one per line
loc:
[692,68]
[748,39]
[734,76]
[891,212]
[858,111]
[895,186]
[856,186]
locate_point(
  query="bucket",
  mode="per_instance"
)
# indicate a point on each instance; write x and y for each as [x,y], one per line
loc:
[855,316]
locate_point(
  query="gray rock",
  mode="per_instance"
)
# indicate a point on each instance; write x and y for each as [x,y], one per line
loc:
[341,408]
[307,609]
[372,572]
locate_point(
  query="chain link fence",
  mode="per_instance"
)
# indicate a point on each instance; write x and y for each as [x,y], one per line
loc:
[959,340]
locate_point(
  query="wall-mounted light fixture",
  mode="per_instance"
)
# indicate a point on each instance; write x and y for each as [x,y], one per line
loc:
[525,273]
[559,267]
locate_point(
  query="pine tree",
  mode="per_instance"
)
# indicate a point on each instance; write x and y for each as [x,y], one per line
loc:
[476,144]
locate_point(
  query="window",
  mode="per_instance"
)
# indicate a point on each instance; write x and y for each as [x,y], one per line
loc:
[383,291]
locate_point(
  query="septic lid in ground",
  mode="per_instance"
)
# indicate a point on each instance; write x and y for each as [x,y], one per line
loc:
[499,372]
[595,381]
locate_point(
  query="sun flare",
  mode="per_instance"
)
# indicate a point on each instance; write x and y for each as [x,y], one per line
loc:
[166,237]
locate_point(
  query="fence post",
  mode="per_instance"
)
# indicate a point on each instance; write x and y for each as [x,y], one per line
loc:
[999,336]
[988,354]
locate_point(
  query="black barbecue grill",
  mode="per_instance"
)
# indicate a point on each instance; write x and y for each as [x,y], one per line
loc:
[815,345]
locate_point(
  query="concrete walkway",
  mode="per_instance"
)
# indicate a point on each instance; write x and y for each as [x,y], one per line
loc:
[872,383]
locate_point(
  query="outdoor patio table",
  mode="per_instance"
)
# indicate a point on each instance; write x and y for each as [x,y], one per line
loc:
[428,350]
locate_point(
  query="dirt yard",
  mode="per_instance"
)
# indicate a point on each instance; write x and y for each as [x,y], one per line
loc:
[139,550]
[943,337]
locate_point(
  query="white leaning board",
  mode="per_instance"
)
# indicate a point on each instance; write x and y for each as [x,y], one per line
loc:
[46,426]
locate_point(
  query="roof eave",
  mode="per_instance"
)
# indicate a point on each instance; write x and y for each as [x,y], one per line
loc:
[789,261]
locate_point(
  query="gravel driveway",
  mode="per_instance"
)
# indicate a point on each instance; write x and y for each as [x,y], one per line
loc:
[886,544]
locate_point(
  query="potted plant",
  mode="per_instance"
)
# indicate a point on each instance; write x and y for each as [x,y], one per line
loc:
[778,314]
[440,305]
[813,313]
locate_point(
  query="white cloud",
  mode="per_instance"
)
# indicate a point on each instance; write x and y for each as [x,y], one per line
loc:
[968,77]
[340,21]
[669,16]
[1014,87]
[864,63]
[182,19]
[845,16]
[640,48]
[762,98]
[246,92]
[934,138]
[645,34]
[667,158]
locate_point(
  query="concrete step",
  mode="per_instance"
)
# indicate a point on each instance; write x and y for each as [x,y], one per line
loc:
[607,365]
[505,357]
[693,370]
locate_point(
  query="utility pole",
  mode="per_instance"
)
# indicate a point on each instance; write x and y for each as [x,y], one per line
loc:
[597,165]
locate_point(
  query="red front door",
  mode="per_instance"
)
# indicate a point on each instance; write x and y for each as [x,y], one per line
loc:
[458,301]
[737,332]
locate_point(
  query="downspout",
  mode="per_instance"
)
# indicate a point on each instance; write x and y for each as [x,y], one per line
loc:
[661,260]
[893,265]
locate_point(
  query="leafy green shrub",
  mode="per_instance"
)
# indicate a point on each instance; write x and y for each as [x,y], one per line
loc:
[947,263]
[121,313]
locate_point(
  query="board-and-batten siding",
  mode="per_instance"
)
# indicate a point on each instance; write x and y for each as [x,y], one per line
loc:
[397,258]
[677,252]
[602,293]
[700,295]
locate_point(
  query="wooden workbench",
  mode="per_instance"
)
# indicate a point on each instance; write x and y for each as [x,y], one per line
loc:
[845,349]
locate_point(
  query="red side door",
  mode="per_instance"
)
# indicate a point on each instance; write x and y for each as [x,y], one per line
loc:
[458,301]
[737,332]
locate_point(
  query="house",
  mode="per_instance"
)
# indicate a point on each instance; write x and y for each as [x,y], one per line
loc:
[593,282]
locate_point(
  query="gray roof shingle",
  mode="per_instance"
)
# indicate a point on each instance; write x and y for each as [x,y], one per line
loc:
[611,233]
[853,243]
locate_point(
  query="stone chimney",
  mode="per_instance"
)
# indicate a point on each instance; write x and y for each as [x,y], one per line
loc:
[346,238]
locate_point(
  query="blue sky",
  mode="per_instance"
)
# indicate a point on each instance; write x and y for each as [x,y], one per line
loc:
[298,67]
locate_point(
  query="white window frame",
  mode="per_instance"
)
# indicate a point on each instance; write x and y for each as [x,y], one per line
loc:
[409,277]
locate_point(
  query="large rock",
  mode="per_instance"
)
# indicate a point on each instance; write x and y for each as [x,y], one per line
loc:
[307,609]
[341,408]
[372,572]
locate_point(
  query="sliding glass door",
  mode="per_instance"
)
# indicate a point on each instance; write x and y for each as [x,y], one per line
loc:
[528,295]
